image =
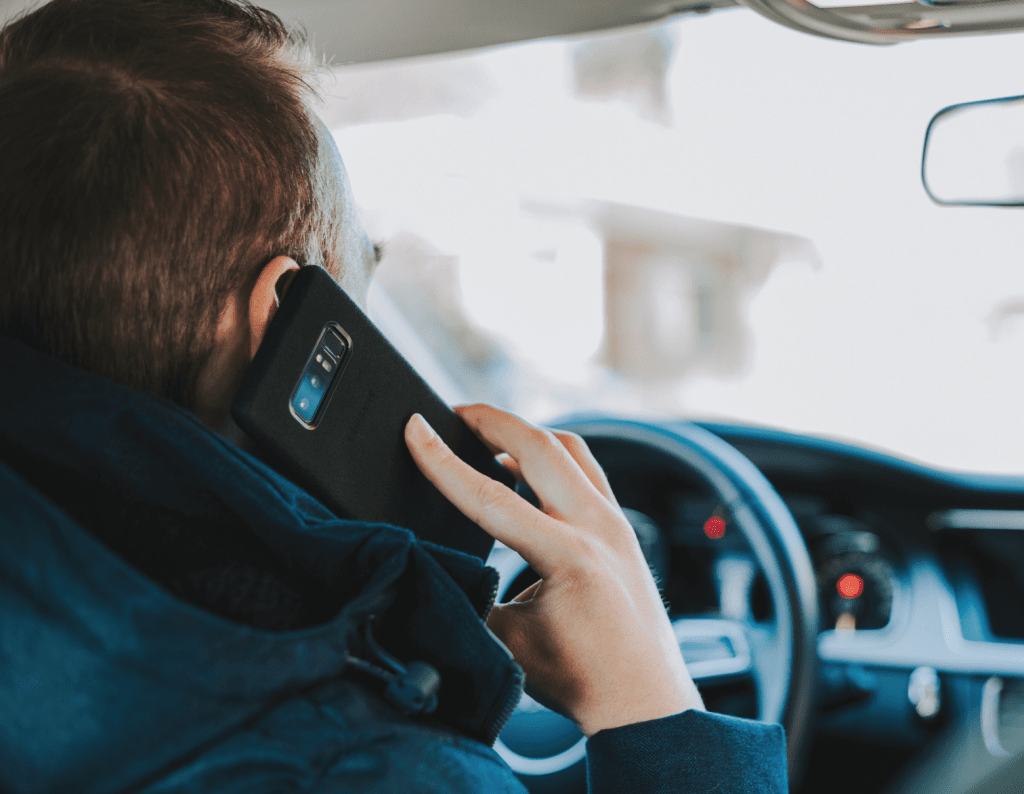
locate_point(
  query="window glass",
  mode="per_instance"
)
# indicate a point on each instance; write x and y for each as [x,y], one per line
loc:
[714,218]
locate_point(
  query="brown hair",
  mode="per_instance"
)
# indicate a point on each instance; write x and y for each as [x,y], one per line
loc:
[154,155]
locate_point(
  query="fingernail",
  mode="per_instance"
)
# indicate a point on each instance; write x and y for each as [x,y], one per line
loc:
[419,430]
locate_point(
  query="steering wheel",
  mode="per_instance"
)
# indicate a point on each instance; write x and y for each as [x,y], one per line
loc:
[780,655]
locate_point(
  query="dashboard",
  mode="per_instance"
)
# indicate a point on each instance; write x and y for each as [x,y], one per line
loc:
[920,583]
[920,577]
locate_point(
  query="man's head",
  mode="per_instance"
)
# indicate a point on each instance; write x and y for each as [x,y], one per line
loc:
[160,165]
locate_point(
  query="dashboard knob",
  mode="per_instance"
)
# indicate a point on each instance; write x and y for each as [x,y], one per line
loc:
[925,692]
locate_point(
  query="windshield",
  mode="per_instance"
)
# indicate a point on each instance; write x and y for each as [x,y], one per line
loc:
[713,218]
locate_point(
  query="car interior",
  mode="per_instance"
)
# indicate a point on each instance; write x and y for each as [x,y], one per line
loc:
[865,590]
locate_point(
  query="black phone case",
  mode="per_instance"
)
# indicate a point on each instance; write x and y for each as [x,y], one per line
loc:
[355,460]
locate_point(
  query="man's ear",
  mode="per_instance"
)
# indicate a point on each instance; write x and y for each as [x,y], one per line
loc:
[266,295]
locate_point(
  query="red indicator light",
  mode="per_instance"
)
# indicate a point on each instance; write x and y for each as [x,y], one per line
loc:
[714,527]
[850,585]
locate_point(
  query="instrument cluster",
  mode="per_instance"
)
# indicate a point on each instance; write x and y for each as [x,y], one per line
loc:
[856,577]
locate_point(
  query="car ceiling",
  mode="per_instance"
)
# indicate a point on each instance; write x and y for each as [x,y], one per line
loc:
[369,30]
[353,31]
[356,31]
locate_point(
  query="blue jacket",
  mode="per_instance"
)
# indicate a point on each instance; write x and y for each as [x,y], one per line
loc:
[110,681]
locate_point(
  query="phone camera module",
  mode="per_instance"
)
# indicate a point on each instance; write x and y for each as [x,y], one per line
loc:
[308,400]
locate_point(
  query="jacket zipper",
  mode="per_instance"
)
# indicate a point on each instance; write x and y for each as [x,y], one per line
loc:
[511,702]
[492,594]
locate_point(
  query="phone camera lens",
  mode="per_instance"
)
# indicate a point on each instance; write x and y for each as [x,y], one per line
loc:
[303,404]
[314,382]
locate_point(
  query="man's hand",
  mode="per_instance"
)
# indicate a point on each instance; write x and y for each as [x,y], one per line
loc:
[592,635]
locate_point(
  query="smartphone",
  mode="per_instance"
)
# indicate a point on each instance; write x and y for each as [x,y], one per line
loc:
[326,400]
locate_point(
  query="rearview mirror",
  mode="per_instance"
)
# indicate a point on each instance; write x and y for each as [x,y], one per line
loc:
[974,154]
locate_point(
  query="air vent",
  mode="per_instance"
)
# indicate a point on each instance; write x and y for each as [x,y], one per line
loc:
[987,568]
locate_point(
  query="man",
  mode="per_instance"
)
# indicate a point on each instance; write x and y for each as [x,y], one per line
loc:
[175,615]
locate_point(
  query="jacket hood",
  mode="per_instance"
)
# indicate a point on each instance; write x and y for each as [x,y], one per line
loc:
[105,674]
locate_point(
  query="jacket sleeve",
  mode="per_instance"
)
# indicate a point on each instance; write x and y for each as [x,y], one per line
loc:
[690,752]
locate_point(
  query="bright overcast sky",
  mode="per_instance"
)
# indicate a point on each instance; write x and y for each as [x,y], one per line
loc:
[888,342]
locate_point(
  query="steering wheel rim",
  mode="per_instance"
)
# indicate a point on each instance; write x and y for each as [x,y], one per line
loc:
[785,695]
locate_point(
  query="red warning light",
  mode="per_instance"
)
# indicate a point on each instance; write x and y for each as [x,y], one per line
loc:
[714,527]
[850,585]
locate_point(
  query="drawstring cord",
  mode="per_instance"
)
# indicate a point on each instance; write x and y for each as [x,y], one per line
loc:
[412,689]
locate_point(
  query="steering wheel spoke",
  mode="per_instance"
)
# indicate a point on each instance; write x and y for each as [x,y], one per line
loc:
[770,661]
[713,648]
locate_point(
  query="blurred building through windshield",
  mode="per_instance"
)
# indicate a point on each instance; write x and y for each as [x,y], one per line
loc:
[620,303]
[662,297]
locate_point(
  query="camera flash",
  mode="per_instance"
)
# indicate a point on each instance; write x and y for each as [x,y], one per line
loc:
[328,366]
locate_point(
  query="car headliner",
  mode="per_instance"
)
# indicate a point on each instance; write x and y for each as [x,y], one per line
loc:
[357,31]
[353,31]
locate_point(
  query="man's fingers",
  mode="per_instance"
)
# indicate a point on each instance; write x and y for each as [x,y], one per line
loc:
[581,453]
[461,409]
[511,465]
[495,508]
[546,465]
[573,444]
[527,594]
